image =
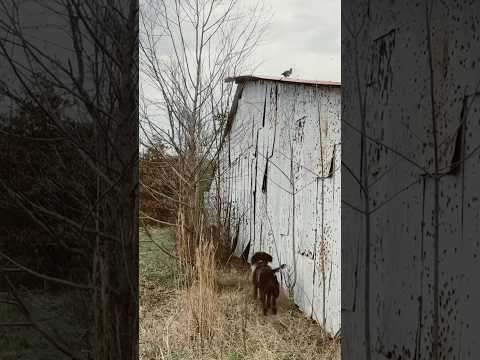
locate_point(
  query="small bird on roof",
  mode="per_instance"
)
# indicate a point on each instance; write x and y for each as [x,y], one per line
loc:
[287,73]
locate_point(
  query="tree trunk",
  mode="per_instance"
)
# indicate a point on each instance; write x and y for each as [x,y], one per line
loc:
[116,278]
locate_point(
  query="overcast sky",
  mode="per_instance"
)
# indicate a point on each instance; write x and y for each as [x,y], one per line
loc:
[305,35]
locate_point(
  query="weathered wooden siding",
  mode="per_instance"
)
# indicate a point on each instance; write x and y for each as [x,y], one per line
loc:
[284,191]
[411,249]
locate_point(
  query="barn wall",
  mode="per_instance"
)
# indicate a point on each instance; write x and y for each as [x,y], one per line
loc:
[411,249]
[280,173]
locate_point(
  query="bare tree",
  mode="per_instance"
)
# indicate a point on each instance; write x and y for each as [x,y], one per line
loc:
[188,48]
[92,65]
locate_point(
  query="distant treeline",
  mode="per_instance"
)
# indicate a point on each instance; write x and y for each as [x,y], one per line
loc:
[159,185]
[47,192]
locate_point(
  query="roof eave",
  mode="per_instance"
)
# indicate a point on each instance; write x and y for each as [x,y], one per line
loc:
[245,78]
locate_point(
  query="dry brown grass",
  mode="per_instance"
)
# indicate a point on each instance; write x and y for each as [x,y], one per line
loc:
[201,297]
[236,330]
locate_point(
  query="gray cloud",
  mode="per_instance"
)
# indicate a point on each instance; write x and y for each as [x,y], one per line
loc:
[305,35]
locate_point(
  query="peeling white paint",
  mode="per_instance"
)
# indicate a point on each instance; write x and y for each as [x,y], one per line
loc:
[278,176]
[411,253]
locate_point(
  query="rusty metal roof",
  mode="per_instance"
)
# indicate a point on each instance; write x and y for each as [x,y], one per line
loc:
[245,78]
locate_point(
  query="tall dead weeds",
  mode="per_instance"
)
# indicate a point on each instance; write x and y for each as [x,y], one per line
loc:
[199,280]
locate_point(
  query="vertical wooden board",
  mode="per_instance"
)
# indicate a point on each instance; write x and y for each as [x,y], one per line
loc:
[305,247]
[328,251]
[335,297]
[306,197]
[279,208]
[468,244]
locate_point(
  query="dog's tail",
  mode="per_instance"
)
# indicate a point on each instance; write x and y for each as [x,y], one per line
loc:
[279,268]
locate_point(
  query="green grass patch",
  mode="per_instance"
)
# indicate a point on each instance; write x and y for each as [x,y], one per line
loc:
[177,355]
[156,267]
[56,313]
[236,356]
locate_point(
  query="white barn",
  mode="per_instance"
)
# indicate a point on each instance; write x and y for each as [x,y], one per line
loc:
[279,173]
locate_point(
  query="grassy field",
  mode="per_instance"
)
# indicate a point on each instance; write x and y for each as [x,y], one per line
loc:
[56,313]
[239,330]
[157,269]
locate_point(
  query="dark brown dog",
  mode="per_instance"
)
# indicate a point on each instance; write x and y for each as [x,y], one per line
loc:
[265,281]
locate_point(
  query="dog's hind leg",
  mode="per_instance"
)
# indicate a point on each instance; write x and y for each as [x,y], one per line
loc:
[269,298]
[274,305]
[263,296]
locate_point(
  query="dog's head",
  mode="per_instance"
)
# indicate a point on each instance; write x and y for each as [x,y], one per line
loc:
[261,256]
